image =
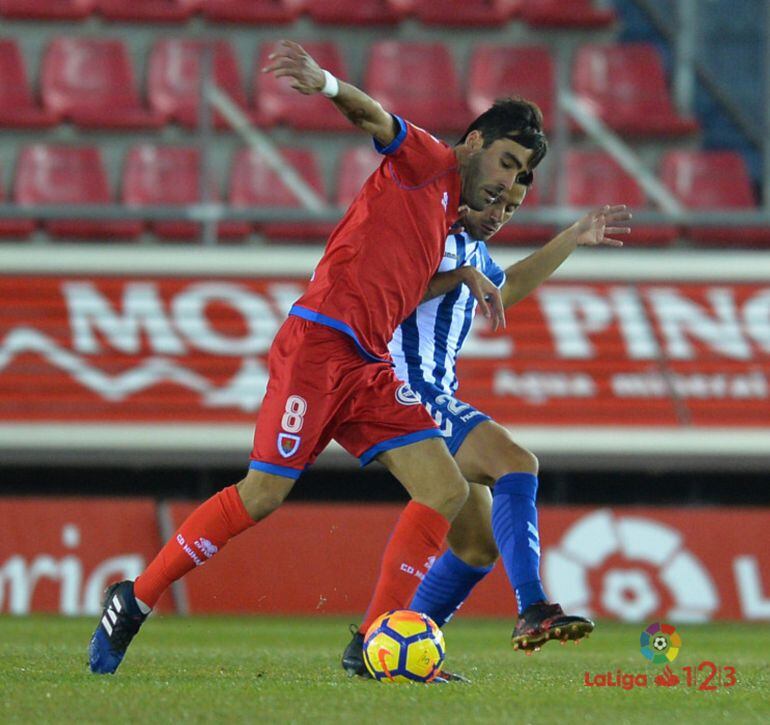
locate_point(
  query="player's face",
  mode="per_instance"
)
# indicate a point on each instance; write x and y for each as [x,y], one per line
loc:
[486,223]
[491,171]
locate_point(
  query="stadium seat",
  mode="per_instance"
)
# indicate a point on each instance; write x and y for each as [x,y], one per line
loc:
[47,9]
[356,166]
[254,184]
[68,175]
[594,178]
[519,233]
[465,13]
[432,97]
[262,12]
[17,108]
[712,181]
[16,228]
[174,78]
[91,82]
[146,11]
[560,14]
[170,175]
[498,71]
[626,86]
[358,12]
[276,102]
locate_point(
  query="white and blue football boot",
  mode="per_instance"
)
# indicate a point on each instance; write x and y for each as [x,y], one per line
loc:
[120,621]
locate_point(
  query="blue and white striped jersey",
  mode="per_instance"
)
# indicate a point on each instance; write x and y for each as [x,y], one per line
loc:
[426,344]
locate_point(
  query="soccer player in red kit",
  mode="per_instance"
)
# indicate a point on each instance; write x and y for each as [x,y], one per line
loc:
[331,375]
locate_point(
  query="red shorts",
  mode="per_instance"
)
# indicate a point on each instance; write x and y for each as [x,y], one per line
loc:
[321,388]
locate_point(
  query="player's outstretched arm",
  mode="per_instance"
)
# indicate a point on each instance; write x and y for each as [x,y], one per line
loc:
[482,288]
[597,228]
[291,60]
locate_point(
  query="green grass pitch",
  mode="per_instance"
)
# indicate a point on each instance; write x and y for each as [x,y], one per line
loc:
[286,670]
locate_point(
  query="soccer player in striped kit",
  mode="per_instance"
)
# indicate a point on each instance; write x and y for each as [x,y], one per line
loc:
[500,516]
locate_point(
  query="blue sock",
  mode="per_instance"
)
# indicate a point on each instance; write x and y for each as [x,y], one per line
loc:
[446,586]
[514,524]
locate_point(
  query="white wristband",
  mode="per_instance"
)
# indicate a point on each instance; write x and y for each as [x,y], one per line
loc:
[331,86]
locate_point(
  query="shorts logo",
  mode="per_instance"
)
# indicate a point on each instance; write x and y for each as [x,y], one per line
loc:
[288,443]
[406,396]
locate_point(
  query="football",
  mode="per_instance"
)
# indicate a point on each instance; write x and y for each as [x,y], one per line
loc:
[404,646]
[660,643]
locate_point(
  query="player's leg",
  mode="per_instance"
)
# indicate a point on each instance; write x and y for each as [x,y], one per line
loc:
[390,424]
[202,534]
[438,492]
[490,456]
[208,528]
[472,550]
[470,557]
[272,472]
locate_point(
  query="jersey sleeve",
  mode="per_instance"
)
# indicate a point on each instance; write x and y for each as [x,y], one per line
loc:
[490,268]
[416,156]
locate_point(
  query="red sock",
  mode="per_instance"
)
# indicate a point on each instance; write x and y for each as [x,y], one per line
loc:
[204,532]
[419,534]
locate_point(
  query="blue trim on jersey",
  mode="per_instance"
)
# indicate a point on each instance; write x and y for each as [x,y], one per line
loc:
[490,267]
[343,327]
[294,473]
[394,145]
[444,318]
[470,305]
[410,343]
[370,453]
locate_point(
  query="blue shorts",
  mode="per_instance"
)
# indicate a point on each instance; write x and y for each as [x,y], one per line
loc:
[454,418]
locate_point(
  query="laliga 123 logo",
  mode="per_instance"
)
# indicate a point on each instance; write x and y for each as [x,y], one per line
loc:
[660,643]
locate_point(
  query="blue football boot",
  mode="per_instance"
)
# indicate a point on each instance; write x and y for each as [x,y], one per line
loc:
[121,619]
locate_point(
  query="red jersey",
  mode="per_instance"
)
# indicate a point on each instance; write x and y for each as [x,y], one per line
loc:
[381,256]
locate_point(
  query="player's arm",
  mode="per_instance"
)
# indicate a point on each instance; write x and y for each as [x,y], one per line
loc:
[482,288]
[291,60]
[597,228]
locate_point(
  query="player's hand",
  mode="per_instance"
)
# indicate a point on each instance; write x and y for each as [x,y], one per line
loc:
[290,60]
[600,226]
[487,295]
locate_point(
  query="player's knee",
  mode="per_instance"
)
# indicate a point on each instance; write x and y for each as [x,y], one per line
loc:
[512,458]
[453,497]
[261,496]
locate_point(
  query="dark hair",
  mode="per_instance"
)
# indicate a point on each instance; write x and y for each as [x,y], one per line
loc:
[514,118]
[525,178]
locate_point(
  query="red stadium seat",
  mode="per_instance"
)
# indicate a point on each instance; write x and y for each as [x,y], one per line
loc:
[465,13]
[145,11]
[17,228]
[91,82]
[174,78]
[356,166]
[17,108]
[499,71]
[278,103]
[67,175]
[262,12]
[626,86]
[594,178]
[560,14]
[518,233]
[358,12]
[714,180]
[431,98]
[47,9]
[170,175]
[254,184]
